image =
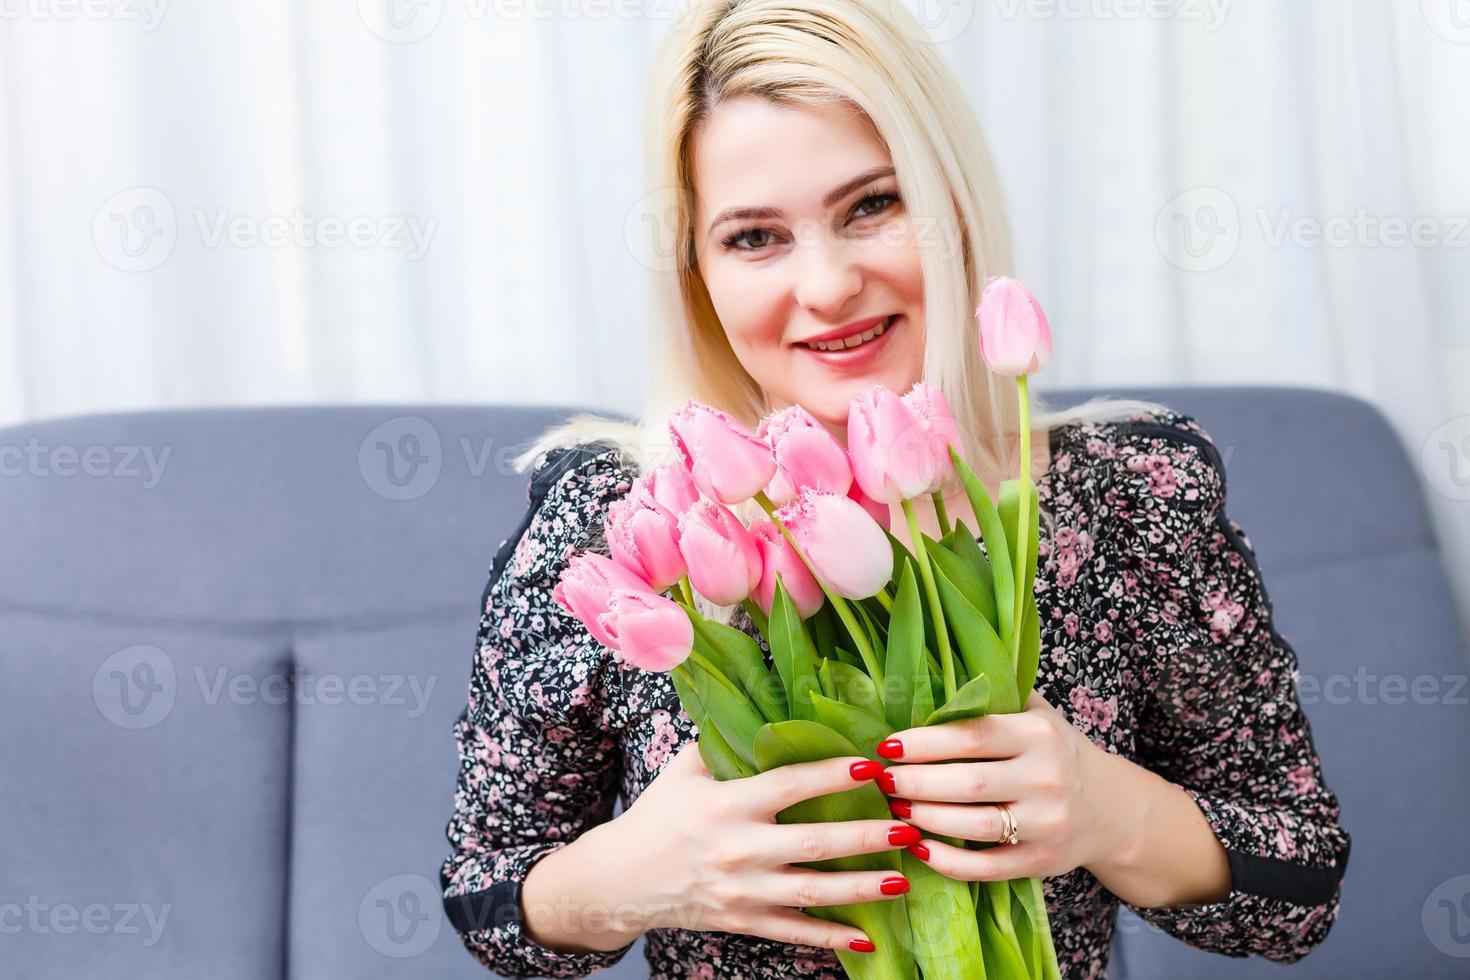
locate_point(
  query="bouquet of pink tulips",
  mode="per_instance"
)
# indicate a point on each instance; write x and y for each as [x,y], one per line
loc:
[867,636]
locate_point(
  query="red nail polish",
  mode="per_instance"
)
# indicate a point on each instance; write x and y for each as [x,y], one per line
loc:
[919,851]
[894,886]
[865,770]
[901,808]
[890,748]
[862,945]
[904,834]
[885,782]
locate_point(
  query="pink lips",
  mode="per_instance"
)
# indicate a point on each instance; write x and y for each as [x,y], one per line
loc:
[859,356]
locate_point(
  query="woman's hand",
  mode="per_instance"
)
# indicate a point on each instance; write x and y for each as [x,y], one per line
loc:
[1034,761]
[713,857]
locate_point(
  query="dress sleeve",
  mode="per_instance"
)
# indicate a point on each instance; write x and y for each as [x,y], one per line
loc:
[539,762]
[1221,716]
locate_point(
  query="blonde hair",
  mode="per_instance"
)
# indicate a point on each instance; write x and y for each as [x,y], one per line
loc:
[866,55]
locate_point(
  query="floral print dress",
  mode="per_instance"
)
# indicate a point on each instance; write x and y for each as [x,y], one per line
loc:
[1157,643]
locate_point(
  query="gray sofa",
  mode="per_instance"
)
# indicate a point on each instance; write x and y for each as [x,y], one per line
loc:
[233,642]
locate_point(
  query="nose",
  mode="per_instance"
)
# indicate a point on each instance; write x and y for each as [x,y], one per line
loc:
[828,276]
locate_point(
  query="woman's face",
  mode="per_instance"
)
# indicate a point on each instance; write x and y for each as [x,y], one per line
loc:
[800,235]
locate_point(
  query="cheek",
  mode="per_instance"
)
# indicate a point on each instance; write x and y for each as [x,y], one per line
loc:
[747,303]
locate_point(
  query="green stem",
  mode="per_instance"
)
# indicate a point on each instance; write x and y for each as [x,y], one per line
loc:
[940,512]
[941,629]
[1023,517]
[884,600]
[859,635]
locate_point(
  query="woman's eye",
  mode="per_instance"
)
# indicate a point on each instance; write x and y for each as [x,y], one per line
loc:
[883,199]
[745,235]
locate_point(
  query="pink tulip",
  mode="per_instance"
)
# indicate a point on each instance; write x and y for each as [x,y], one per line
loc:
[778,557]
[649,631]
[726,460]
[1015,338]
[891,448]
[723,558]
[877,511]
[643,537]
[930,407]
[848,550]
[807,455]
[584,588]
[671,486]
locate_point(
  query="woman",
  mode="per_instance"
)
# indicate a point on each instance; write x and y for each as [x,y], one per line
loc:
[831,181]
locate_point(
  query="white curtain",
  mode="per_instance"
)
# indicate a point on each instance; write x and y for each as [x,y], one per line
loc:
[437,200]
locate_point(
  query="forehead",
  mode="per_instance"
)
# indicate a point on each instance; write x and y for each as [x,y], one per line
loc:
[751,152]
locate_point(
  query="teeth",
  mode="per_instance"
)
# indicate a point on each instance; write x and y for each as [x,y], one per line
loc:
[854,340]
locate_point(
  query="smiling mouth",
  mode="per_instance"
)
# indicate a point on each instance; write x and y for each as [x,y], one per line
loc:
[853,342]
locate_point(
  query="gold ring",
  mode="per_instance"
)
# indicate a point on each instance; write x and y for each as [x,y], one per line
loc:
[1010,832]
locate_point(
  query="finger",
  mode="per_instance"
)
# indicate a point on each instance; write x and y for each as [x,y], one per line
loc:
[986,737]
[959,782]
[804,889]
[800,842]
[798,928]
[776,789]
[971,821]
[999,863]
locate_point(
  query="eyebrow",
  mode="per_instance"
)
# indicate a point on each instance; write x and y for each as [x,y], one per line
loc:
[833,196]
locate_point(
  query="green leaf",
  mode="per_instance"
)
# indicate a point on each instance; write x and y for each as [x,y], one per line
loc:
[854,724]
[846,656]
[733,714]
[963,575]
[855,687]
[980,647]
[824,632]
[886,921]
[906,672]
[739,657]
[962,542]
[1010,504]
[824,675]
[1030,652]
[992,530]
[970,701]
[1002,953]
[719,758]
[876,638]
[793,653]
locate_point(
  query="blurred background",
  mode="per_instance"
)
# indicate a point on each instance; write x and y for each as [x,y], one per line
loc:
[441,200]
